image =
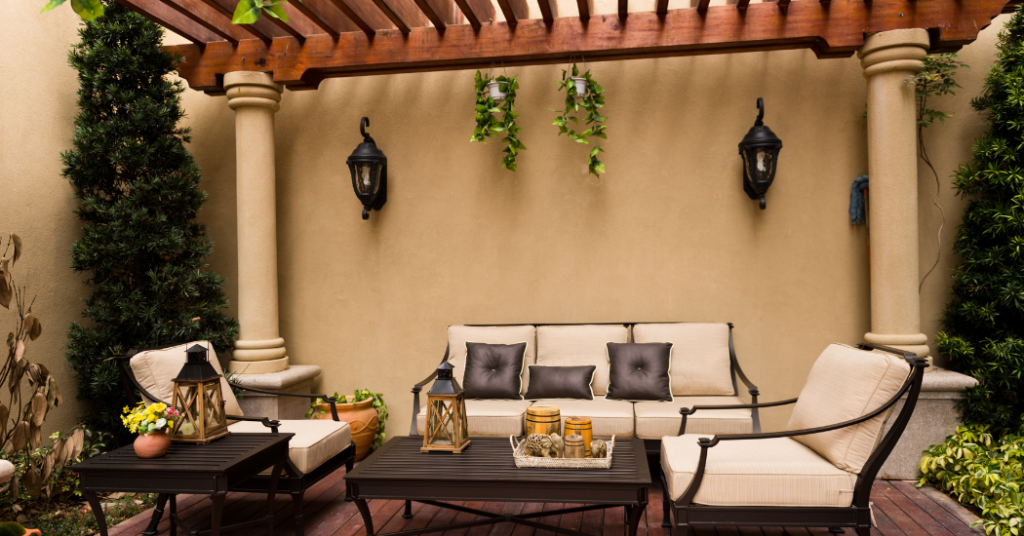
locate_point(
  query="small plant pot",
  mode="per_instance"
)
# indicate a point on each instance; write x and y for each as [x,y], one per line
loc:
[362,419]
[581,86]
[152,445]
[495,88]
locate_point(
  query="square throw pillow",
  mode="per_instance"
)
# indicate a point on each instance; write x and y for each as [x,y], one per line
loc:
[561,382]
[640,371]
[494,370]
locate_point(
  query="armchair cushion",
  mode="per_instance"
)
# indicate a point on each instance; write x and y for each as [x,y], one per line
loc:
[844,384]
[607,417]
[561,382]
[458,336]
[494,370]
[757,472]
[655,419]
[640,371]
[155,371]
[579,345]
[314,443]
[488,418]
[701,363]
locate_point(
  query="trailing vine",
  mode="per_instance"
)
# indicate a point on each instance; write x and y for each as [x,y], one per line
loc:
[592,101]
[488,125]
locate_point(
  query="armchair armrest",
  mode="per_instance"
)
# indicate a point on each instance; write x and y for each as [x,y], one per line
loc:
[416,394]
[752,389]
[312,396]
[272,424]
[757,430]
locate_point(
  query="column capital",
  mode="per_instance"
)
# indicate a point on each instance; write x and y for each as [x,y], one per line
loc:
[251,88]
[895,50]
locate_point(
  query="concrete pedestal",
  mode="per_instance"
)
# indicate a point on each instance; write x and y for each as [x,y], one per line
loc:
[934,418]
[294,379]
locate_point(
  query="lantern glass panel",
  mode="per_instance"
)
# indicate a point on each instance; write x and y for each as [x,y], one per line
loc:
[441,427]
[760,163]
[367,177]
[214,410]
[187,405]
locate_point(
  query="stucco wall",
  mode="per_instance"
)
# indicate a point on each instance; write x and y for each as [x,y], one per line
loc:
[667,234]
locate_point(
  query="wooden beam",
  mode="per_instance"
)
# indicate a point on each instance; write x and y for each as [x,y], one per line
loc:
[294,25]
[394,17]
[261,29]
[432,15]
[662,8]
[783,4]
[548,10]
[210,19]
[834,31]
[467,12]
[586,8]
[316,12]
[702,6]
[171,19]
[514,11]
[483,9]
[742,4]
[623,9]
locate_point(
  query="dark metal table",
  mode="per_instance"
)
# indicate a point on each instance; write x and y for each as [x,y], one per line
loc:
[485,471]
[195,469]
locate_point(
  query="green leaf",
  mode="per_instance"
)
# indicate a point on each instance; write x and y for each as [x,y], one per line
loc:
[277,11]
[245,13]
[88,10]
[51,5]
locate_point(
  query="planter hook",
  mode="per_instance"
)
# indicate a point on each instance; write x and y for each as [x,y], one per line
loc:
[760,113]
[365,122]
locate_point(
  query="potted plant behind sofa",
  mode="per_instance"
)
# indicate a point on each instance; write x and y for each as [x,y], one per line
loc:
[366,414]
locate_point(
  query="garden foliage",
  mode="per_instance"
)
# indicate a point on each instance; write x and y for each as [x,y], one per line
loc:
[984,323]
[138,187]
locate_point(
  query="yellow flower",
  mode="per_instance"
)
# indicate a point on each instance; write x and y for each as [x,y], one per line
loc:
[170,424]
[160,406]
[151,418]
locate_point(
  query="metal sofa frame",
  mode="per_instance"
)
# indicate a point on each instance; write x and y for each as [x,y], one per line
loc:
[652,446]
[686,514]
[295,483]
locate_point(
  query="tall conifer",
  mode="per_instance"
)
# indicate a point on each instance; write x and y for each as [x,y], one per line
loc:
[984,323]
[138,187]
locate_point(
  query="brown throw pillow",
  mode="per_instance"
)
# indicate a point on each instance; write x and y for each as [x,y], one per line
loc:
[561,382]
[494,370]
[640,371]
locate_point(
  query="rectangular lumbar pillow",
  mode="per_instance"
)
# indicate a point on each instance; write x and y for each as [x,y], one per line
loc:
[561,382]
[640,371]
[494,370]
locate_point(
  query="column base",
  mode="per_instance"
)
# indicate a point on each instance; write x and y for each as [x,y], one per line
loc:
[244,368]
[294,379]
[934,418]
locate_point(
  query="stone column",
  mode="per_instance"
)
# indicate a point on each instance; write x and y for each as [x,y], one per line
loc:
[255,98]
[887,59]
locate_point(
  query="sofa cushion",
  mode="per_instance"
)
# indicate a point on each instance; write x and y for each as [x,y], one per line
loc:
[583,344]
[155,371]
[640,371]
[314,443]
[488,418]
[458,336]
[700,356]
[494,370]
[561,382]
[608,417]
[655,420]
[844,384]
[761,472]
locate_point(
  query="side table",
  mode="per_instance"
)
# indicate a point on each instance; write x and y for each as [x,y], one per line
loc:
[194,469]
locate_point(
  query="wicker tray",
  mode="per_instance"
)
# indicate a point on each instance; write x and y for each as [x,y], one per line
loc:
[523,460]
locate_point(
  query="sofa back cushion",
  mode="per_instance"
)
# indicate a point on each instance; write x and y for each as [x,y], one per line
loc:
[155,371]
[458,336]
[844,384]
[700,356]
[584,344]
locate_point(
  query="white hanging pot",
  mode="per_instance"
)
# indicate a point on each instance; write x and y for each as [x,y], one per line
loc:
[581,86]
[495,88]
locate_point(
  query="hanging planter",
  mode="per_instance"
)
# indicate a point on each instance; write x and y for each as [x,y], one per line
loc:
[488,122]
[591,96]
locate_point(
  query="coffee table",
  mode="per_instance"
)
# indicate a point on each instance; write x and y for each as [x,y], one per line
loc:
[485,471]
[186,468]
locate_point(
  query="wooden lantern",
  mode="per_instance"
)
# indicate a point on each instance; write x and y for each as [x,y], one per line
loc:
[447,428]
[199,401]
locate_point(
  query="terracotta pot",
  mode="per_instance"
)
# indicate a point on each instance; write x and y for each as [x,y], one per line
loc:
[152,445]
[362,419]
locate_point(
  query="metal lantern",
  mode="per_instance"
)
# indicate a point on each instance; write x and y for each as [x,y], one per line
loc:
[447,428]
[369,169]
[199,401]
[760,151]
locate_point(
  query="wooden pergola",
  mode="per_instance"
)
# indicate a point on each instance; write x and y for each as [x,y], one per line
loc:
[338,38]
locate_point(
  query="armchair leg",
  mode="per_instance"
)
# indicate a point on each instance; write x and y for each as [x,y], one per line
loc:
[348,469]
[407,514]
[666,506]
[297,509]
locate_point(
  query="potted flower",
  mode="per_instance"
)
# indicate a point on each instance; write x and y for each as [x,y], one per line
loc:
[496,120]
[496,90]
[366,414]
[152,423]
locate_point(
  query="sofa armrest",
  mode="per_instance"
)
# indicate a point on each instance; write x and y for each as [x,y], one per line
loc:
[416,394]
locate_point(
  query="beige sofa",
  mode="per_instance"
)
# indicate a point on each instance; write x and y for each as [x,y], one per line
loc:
[704,371]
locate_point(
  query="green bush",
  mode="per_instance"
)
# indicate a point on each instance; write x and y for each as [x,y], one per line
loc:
[983,472]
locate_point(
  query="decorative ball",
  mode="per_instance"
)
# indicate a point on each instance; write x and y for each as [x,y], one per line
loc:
[6,471]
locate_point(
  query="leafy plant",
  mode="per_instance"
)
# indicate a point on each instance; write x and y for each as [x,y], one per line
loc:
[592,101]
[138,190]
[487,123]
[87,9]
[983,332]
[319,408]
[76,519]
[249,11]
[983,472]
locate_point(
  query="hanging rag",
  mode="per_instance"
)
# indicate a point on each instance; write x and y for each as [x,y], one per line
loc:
[858,209]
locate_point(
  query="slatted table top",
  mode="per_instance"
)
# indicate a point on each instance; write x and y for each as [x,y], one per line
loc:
[218,457]
[489,459]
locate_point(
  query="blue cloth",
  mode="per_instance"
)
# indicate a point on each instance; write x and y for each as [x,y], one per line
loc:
[858,210]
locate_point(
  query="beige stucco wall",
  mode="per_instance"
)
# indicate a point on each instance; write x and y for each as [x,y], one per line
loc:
[667,234]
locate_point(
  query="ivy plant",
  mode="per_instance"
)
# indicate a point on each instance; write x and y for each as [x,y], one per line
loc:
[488,123]
[591,103]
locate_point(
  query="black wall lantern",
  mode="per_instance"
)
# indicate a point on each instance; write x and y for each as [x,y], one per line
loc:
[369,169]
[760,151]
